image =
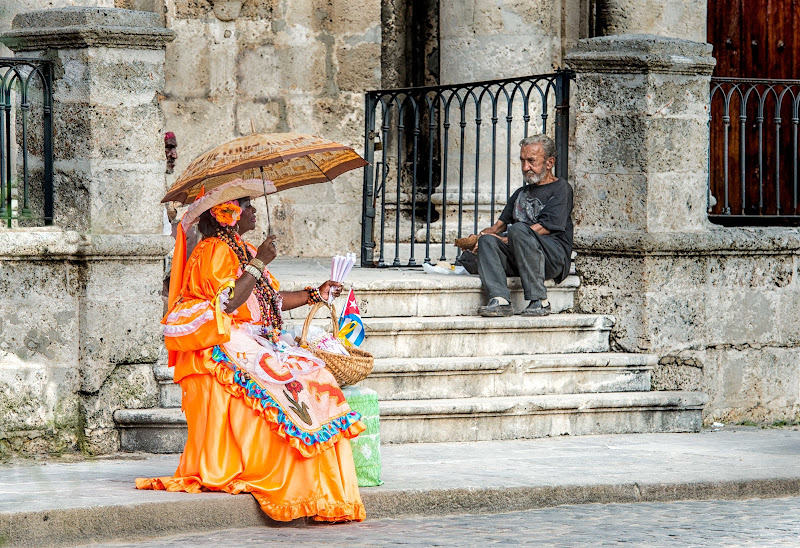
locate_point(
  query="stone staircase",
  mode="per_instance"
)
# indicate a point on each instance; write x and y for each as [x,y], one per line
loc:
[443,374]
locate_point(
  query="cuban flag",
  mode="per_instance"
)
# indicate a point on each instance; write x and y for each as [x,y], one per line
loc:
[351,328]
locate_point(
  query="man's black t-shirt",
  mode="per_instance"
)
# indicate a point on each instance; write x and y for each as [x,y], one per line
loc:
[549,205]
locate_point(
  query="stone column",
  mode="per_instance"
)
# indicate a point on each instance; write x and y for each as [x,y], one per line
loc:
[100,268]
[717,305]
[641,136]
[640,166]
[685,19]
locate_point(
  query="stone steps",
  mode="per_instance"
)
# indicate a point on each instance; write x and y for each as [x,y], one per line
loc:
[433,295]
[489,376]
[163,430]
[155,430]
[464,336]
[514,417]
[443,374]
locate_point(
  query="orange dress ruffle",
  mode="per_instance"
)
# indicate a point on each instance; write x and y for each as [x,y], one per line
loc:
[235,443]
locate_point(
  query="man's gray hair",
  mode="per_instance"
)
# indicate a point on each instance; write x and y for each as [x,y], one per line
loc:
[548,145]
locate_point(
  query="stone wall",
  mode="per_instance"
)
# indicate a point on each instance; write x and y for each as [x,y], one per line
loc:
[716,305]
[79,301]
[287,65]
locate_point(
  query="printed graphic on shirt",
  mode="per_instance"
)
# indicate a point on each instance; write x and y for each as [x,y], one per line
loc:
[527,209]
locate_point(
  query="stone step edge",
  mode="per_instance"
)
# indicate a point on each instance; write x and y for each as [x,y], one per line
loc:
[531,363]
[478,324]
[540,404]
[440,283]
[388,367]
[141,521]
[169,417]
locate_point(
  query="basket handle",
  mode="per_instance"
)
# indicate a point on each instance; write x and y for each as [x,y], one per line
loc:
[311,314]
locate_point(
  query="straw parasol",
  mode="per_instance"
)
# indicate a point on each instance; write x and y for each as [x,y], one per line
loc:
[287,159]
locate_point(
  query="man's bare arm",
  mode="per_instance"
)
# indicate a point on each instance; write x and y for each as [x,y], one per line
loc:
[498,227]
[539,229]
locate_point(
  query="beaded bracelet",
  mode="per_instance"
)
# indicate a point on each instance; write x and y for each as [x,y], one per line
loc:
[314,296]
[253,271]
[258,263]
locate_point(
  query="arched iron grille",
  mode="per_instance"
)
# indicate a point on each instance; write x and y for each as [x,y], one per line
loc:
[26,142]
[441,160]
[753,171]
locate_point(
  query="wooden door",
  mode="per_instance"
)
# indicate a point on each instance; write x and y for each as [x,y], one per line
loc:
[755,39]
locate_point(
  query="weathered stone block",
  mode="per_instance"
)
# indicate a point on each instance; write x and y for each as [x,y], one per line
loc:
[675,320]
[686,195]
[677,273]
[612,203]
[125,198]
[37,395]
[130,386]
[198,125]
[757,384]
[92,131]
[119,327]
[353,16]
[678,373]
[767,272]
[359,67]
[476,57]
[187,62]
[266,116]
[744,316]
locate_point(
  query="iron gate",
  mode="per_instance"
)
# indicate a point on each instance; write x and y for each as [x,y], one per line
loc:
[429,168]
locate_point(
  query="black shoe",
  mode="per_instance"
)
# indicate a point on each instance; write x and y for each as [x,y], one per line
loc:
[494,309]
[535,308]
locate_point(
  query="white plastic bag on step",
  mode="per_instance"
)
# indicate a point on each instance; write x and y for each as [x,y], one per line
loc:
[444,268]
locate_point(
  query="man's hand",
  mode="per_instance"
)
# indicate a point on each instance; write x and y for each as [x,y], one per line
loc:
[498,227]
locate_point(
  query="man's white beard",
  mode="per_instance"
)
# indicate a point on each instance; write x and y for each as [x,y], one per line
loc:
[533,179]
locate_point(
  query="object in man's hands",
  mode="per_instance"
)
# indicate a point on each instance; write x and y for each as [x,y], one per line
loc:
[468,242]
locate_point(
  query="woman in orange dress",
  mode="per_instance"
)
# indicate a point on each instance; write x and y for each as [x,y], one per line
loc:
[264,416]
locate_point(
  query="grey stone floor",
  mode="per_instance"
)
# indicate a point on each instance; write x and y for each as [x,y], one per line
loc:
[611,460]
[762,523]
[61,503]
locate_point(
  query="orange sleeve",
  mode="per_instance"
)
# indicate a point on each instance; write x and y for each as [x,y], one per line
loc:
[198,320]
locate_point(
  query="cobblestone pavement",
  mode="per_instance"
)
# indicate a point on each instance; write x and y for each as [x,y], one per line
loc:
[767,523]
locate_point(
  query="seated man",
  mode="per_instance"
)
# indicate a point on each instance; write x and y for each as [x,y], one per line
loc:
[538,244]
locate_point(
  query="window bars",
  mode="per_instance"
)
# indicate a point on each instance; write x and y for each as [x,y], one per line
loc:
[753,160]
[26,142]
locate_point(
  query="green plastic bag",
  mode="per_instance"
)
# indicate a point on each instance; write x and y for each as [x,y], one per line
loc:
[367,446]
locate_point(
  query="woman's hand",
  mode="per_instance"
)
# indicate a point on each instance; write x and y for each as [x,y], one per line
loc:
[328,288]
[268,250]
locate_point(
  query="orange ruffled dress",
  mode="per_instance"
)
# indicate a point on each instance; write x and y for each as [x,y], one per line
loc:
[265,419]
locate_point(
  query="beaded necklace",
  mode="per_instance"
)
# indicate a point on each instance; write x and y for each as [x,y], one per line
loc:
[269,300]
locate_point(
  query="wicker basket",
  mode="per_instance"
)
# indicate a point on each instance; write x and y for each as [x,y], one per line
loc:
[346,369]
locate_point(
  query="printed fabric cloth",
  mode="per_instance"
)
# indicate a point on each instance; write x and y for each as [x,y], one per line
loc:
[262,418]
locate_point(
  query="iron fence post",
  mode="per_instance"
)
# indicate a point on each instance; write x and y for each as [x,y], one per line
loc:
[48,146]
[563,78]
[367,208]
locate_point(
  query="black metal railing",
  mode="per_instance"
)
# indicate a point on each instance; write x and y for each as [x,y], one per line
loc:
[26,142]
[429,167]
[753,160]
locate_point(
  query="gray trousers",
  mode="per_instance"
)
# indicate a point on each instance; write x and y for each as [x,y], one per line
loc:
[528,255]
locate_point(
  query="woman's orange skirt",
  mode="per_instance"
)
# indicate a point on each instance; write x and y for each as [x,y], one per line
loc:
[231,448]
